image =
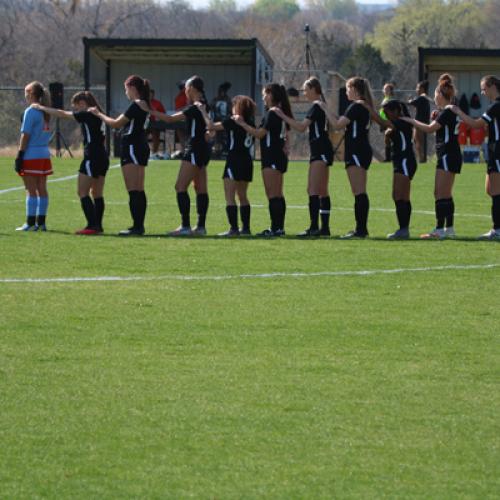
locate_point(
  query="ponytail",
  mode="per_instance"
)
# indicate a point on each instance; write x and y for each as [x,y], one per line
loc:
[363,88]
[279,98]
[41,95]
[197,83]
[141,85]
[446,87]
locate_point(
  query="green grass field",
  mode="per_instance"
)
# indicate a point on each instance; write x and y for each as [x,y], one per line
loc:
[207,376]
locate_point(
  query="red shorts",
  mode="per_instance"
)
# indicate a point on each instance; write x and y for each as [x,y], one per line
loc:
[42,166]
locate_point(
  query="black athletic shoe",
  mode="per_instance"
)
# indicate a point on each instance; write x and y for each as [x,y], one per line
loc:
[310,233]
[132,231]
[354,235]
[278,233]
[324,231]
[245,232]
[267,233]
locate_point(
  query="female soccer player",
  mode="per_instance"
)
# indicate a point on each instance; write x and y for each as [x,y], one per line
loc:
[490,87]
[134,148]
[95,161]
[400,133]
[449,155]
[273,148]
[238,171]
[33,158]
[194,161]
[321,157]
[358,151]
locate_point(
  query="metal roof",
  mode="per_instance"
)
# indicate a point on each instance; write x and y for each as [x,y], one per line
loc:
[177,51]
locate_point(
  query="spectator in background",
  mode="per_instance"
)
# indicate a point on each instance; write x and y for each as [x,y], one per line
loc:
[422,105]
[180,102]
[221,109]
[388,90]
[155,127]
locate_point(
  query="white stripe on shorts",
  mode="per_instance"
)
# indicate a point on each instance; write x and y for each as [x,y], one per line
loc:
[230,174]
[445,163]
[323,157]
[497,162]
[132,154]
[355,158]
[193,159]
[273,166]
[87,168]
[405,167]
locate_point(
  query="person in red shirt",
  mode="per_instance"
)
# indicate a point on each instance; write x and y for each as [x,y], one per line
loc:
[180,102]
[155,126]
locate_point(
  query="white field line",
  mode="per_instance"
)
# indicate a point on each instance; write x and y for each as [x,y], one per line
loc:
[300,207]
[58,179]
[226,277]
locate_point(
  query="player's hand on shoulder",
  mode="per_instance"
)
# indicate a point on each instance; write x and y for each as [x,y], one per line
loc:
[276,110]
[94,110]
[237,118]
[434,114]
[36,105]
[143,105]
[452,107]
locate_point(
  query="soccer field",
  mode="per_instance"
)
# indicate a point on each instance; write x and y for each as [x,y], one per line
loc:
[158,367]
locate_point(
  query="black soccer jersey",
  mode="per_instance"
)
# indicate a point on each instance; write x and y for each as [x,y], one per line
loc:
[402,139]
[357,130]
[318,129]
[423,108]
[274,140]
[93,130]
[447,135]
[238,141]
[492,117]
[195,124]
[135,129]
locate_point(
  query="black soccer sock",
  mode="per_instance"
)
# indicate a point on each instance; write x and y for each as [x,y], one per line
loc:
[99,211]
[450,212]
[202,208]
[495,211]
[133,206]
[314,205]
[441,212]
[184,204]
[89,211]
[403,211]
[361,209]
[232,216]
[282,213]
[142,205]
[324,211]
[245,217]
[275,208]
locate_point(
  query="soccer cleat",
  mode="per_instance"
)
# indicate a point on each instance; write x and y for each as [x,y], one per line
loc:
[27,227]
[400,234]
[87,231]
[267,233]
[245,232]
[41,227]
[278,233]
[324,231]
[230,233]
[310,233]
[435,234]
[132,231]
[491,235]
[354,235]
[181,231]
[449,232]
[199,231]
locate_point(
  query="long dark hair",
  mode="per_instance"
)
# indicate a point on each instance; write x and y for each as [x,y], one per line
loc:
[279,97]
[87,97]
[395,105]
[42,96]
[197,82]
[141,85]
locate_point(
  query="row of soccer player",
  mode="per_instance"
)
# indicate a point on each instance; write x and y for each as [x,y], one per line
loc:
[33,160]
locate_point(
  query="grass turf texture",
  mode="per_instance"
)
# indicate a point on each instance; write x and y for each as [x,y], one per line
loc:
[312,387]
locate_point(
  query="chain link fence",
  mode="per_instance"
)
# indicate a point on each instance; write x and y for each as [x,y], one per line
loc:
[13,104]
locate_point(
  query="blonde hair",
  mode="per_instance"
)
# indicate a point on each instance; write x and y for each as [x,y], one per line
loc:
[42,96]
[362,87]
